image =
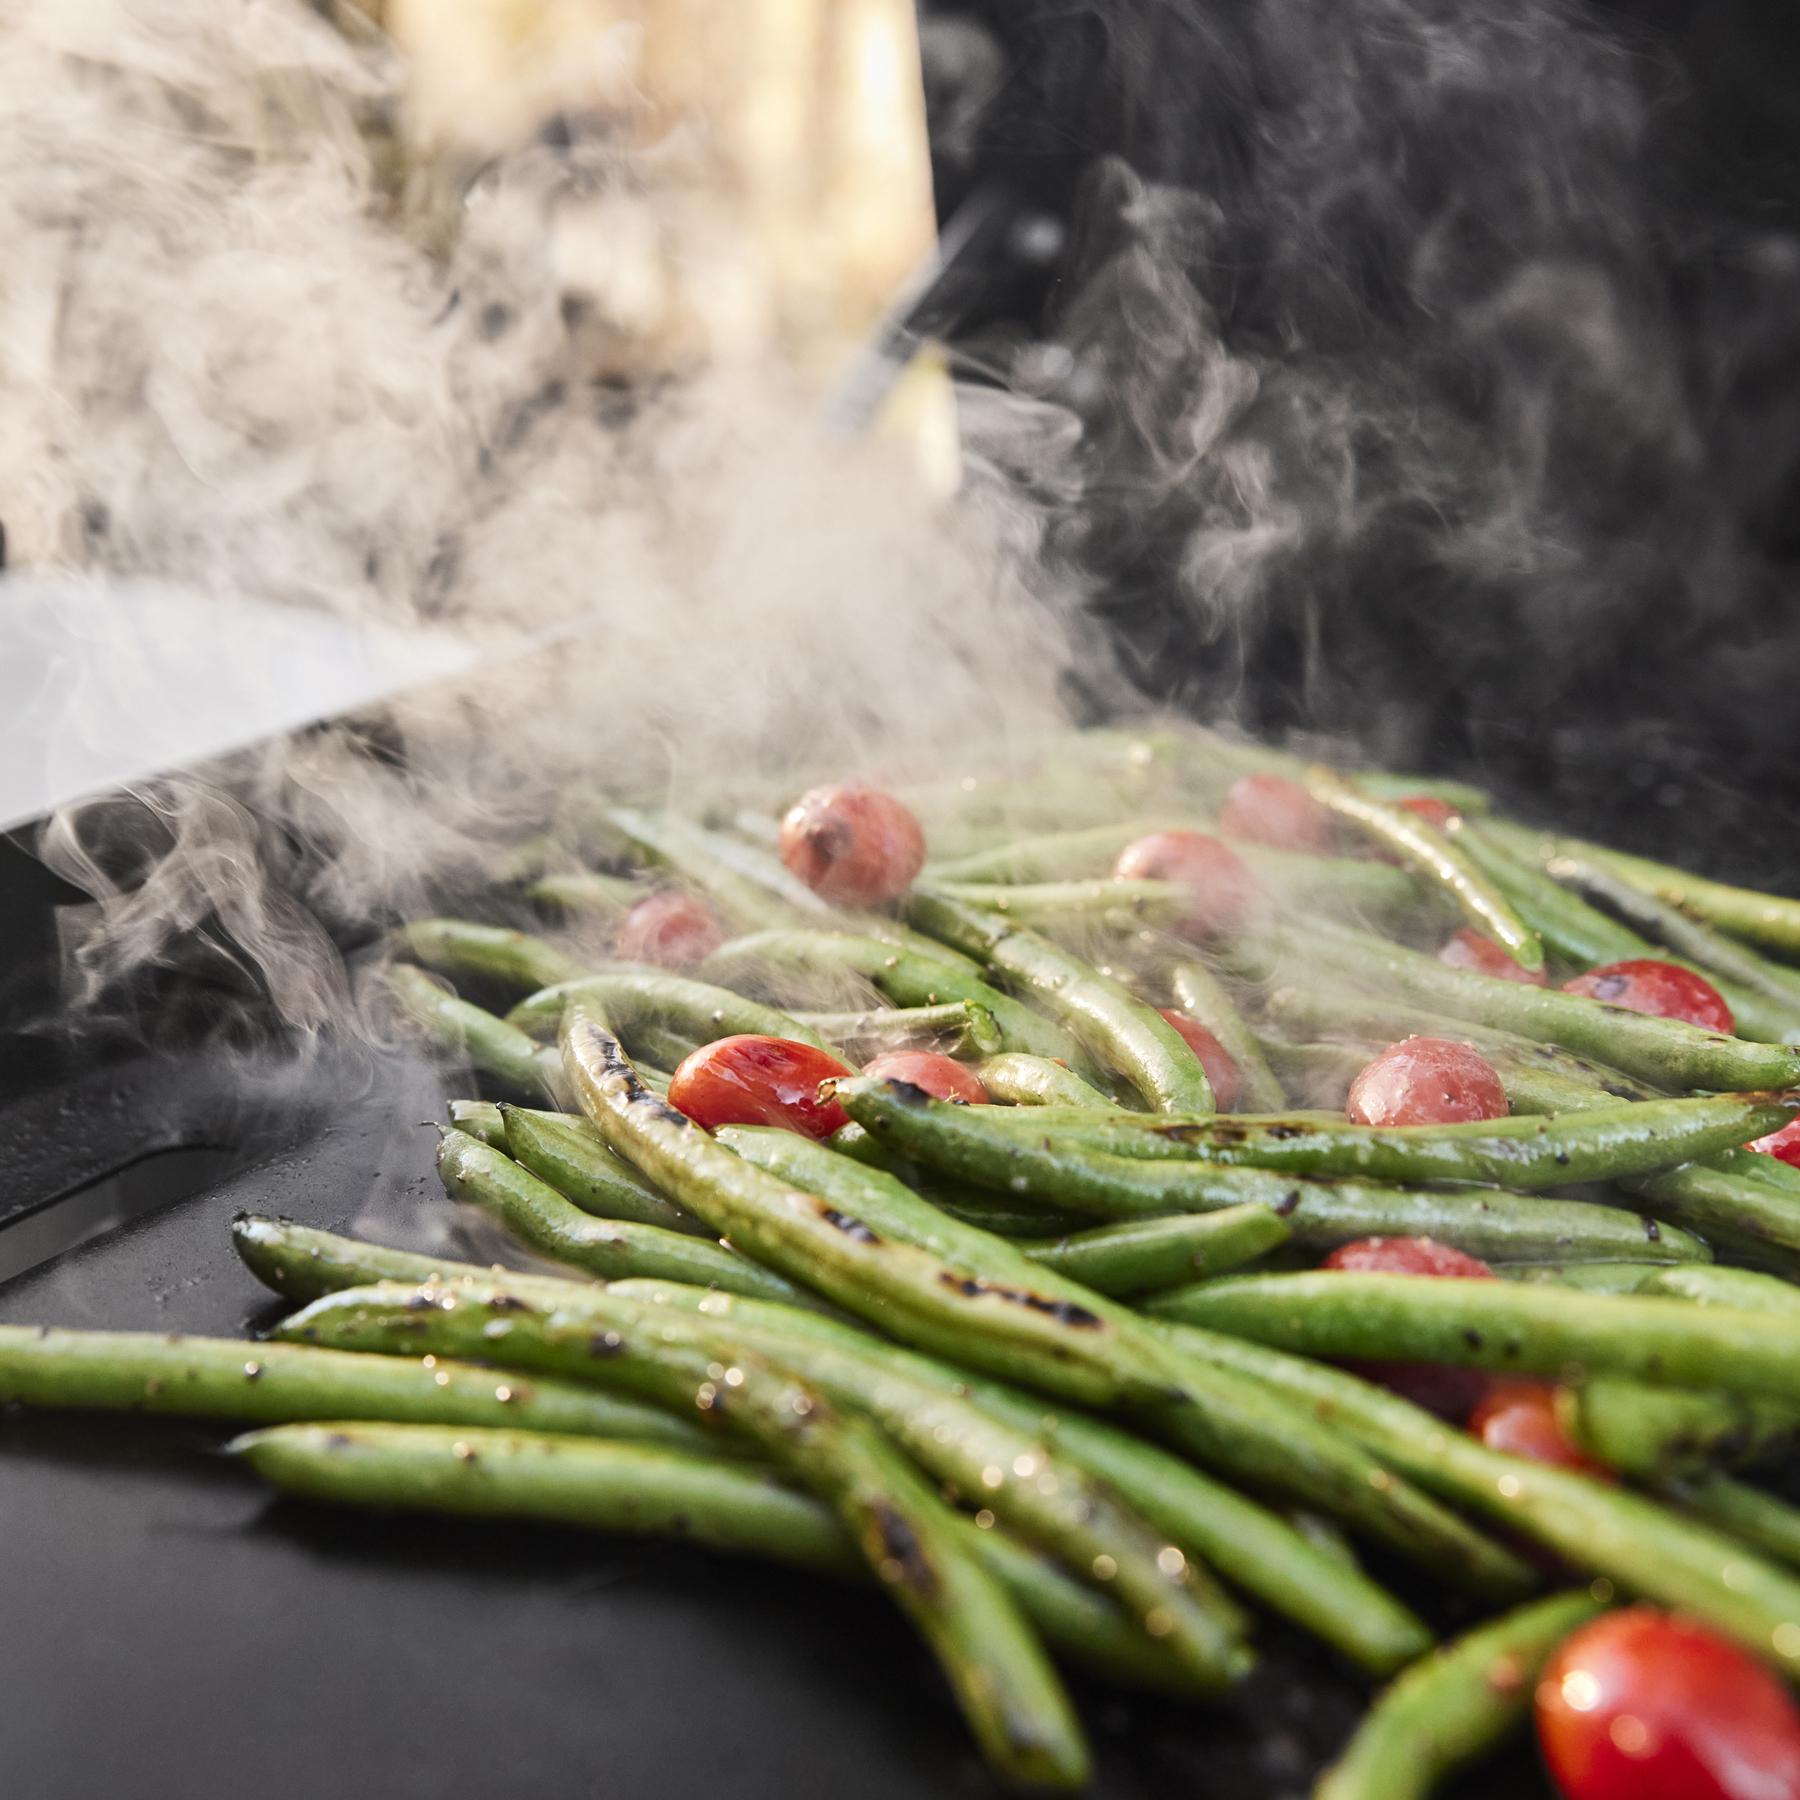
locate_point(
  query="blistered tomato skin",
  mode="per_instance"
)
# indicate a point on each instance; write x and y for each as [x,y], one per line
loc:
[1425,1081]
[1223,888]
[751,1080]
[1270,809]
[671,930]
[1783,1145]
[942,1077]
[854,845]
[1647,986]
[1647,1705]
[1520,1418]
[1466,949]
[1451,1393]
[1215,1059]
[1432,810]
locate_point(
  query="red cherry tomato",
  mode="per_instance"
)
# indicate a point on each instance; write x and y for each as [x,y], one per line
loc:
[1466,949]
[1647,986]
[1425,1081]
[942,1077]
[1783,1145]
[1270,809]
[751,1080]
[1431,809]
[674,931]
[856,845]
[1215,1059]
[1449,1392]
[1645,1705]
[1224,890]
[1407,1256]
[1520,1418]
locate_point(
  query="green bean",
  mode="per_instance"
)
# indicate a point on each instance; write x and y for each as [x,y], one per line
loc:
[1119,1029]
[1463,796]
[1260,1552]
[564,1150]
[585,893]
[513,959]
[1665,1052]
[1515,1326]
[1527,1152]
[225,1378]
[1319,1073]
[1041,1329]
[953,1440]
[1436,857]
[1570,928]
[1206,1519]
[1015,1079]
[629,1489]
[1594,1277]
[1147,1254]
[1651,1433]
[1455,1704]
[1061,905]
[1007,1693]
[906,977]
[1767,1524]
[1726,1287]
[631,997]
[1201,997]
[1059,1167]
[1762,918]
[974,1206]
[480,1119]
[609,1249]
[963,1028]
[487,1043]
[1596,1528]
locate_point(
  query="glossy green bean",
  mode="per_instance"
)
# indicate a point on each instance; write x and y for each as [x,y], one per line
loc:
[513,959]
[1596,1528]
[608,1249]
[1454,1705]
[1437,858]
[1652,1433]
[468,1031]
[1121,1031]
[1015,1079]
[1256,1549]
[1665,1052]
[954,1441]
[1513,1326]
[906,977]
[1764,1521]
[481,1119]
[586,894]
[1145,1255]
[1198,994]
[564,1150]
[225,1378]
[1058,1167]
[960,1028]
[629,997]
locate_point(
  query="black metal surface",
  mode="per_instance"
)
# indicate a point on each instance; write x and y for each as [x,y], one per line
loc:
[175,1634]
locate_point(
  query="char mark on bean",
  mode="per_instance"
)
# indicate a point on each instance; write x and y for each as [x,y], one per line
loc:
[852,1228]
[1064,1312]
[505,1303]
[903,1557]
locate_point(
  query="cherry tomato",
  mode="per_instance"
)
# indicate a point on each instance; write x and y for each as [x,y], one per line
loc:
[1431,809]
[674,931]
[1449,1392]
[1466,949]
[855,845]
[1647,1705]
[942,1077]
[752,1080]
[1647,986]
[1224,890]
[1520,1418]
[1425,1081]
[1783,1145]
[1215,1059]
[1270,809]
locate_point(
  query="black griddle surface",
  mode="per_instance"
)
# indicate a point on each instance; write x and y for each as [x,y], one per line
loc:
[172,1632]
